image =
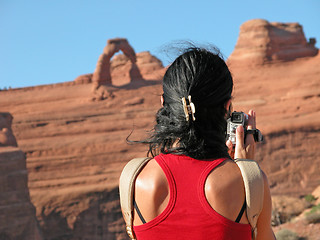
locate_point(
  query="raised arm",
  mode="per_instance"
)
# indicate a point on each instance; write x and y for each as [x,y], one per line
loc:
[246,149]
[265,231]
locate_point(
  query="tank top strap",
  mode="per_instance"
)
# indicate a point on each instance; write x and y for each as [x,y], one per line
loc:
[167,172]
[170,179]
[186,216]
[183,171]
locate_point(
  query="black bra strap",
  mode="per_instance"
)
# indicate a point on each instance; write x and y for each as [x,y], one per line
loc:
[138,211]
[241,211]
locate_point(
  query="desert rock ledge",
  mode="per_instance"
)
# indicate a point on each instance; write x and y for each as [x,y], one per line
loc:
[17,215]
[260,42]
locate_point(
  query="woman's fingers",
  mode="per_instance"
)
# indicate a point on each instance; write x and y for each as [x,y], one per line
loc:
[249,141]
[251,124]
[245,145]
[252,119]
[245,148]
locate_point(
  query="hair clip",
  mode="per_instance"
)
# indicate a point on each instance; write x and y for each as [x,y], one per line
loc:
[188,108]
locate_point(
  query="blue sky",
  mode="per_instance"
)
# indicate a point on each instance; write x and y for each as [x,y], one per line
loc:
[50,41]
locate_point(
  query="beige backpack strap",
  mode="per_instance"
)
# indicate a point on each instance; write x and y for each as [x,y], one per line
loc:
[254,188]
[126,189]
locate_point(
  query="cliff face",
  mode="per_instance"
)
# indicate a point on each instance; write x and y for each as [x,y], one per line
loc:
[260,42]
[75,151]
[17,214]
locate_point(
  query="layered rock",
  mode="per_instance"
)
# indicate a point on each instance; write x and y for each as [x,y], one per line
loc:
[146,63]
[84,79]
[260,42]
[121,69]
[316,194]
[6,136]
[101,77]
[285,208]
[17,213]
[102,73]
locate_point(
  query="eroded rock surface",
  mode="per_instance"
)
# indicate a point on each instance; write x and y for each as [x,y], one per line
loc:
[17,215]
[122,70]
[146,63]
[260,42]
[101,77]
[84,79]
[102,73]
[286,208]
[316,194]
[6,136]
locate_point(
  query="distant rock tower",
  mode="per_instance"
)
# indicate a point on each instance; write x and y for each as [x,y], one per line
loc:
[260,42]
[18,214]
[101,77]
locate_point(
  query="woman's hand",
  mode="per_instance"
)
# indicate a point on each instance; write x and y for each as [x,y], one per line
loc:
[244,148]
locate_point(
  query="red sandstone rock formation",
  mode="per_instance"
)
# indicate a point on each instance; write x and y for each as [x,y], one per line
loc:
[102,74]
[316,194]
[6,136]
[260,42]
[146,63]
[121,69]
[84,79]
[17,215]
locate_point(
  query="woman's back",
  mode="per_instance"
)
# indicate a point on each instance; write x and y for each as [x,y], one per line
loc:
[195,202]
[176,193]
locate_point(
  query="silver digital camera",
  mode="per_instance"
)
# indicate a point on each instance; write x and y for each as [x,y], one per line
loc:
[240,118]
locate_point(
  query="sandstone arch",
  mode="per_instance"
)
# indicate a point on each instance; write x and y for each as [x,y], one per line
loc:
[101,77]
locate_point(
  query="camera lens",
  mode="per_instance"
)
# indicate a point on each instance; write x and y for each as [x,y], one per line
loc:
[236,117]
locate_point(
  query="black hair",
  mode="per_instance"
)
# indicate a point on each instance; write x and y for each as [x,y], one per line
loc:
[204,76]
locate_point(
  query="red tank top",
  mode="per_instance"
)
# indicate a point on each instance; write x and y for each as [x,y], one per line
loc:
[188,215]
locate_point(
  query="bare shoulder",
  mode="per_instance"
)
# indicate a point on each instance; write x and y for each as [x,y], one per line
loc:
[224,190]
[151,191]
[227,174]
[151,176]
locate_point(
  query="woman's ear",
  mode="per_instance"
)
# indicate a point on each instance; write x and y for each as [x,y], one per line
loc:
[161,100]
